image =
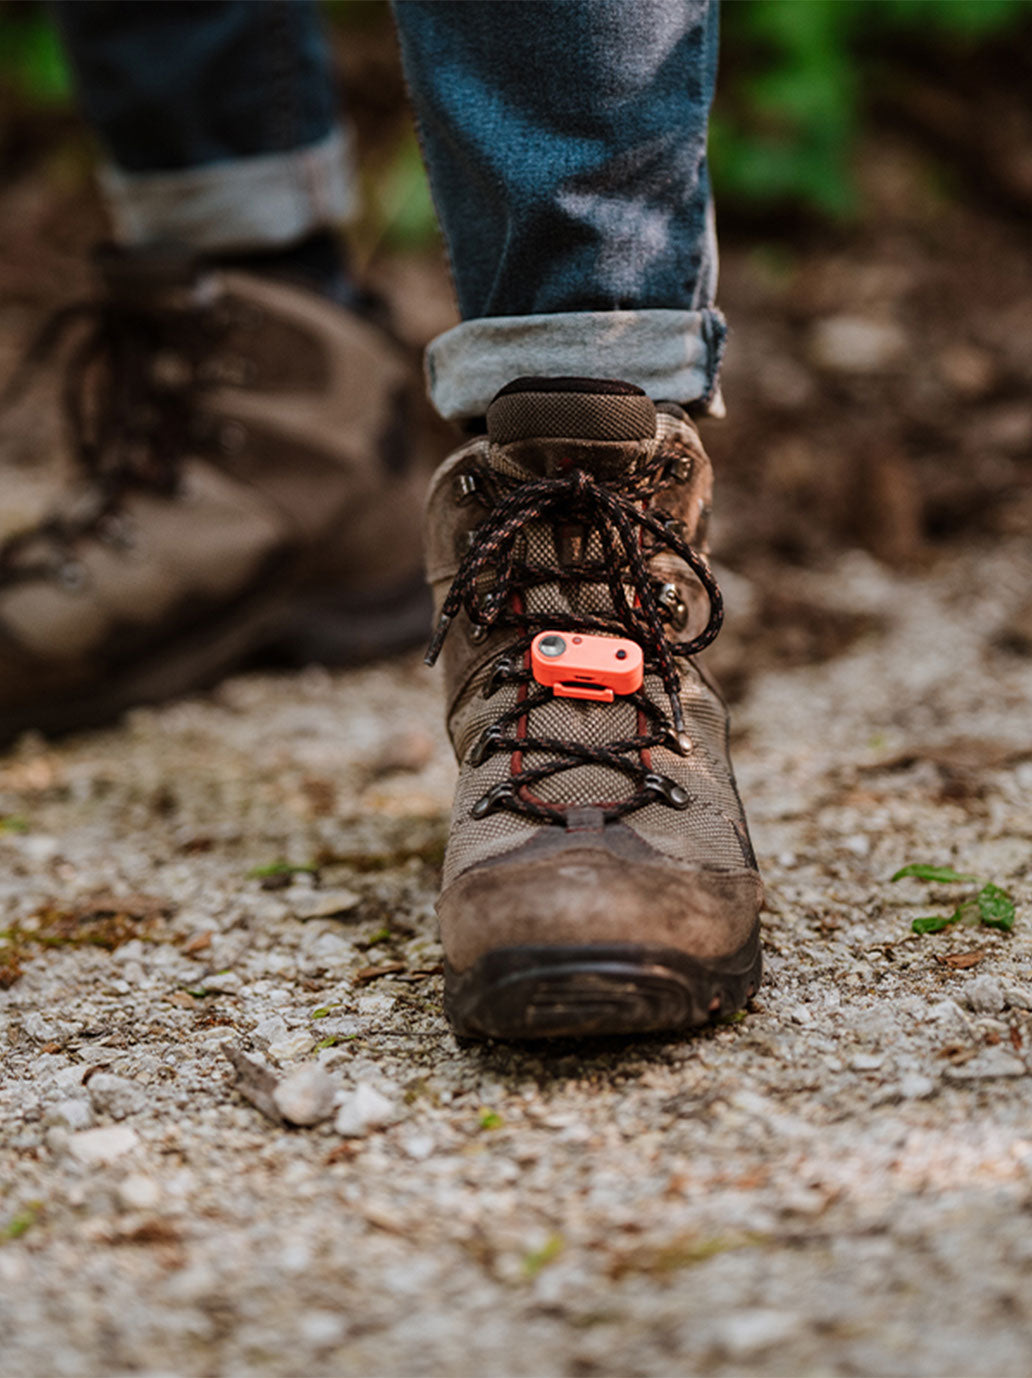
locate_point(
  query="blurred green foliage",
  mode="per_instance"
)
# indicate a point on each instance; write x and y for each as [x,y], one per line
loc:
[792,97]
[794,80]
[32,64]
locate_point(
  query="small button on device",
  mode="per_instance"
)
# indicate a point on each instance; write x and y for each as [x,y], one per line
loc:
[596,668]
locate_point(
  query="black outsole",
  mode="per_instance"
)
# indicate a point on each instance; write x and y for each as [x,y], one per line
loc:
[597,990]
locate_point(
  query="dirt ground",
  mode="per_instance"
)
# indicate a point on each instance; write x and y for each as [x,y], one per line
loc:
[214,895]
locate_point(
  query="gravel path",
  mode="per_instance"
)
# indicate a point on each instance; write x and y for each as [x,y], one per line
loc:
[837,1183]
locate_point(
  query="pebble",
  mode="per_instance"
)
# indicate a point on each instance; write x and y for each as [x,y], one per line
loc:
[93,1147]
[362,1110]
[866,1062]
[743,1334]
[992,1063]
[306,1096]
[115,1096]
[295,1045]
[853,344]
[138,1192]
[984,995]
[914,1086]
[72,1114]
[325,904]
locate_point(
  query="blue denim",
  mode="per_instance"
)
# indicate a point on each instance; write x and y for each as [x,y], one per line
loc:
[566,145]
[565,142]
[171,84]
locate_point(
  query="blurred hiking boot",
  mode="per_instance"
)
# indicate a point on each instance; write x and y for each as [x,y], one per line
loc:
[246,480]
[599,877]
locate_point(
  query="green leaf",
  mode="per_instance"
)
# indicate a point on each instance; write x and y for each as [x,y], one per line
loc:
[996,907]
[922,872]
[934,923]
[280,868]
[14,823]
[538,1258]
[490,1119]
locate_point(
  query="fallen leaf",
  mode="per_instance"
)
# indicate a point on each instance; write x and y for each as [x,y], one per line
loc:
[960,961]
[198,942]
[922,872]
[368,974]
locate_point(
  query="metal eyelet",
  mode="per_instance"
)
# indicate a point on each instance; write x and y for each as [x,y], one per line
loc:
[466,486]
[488,742]
[681,468]
[501,673]
[666,791]
[501,797]
[670,600]
[479,634]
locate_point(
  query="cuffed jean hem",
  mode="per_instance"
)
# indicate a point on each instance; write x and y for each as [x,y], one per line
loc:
[674,356]
[257,202]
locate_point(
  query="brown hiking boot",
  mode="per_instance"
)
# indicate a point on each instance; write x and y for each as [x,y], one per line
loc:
[245,482]
[599,877]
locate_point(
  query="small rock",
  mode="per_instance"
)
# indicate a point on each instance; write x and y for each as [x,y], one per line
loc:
[992,1063]
[272,1029]
[362,1110]
[223,982]
[255,1081]
[983,995]
[43,1030]
[115,1096]
[853,344]
[1017,998]
[295,1045]
[93,1147]
[306,1096]
[418,1147]
[743,1334]
[138,1192]
[324,904]
[914,1086]
[866,1062]
[72,1114]
[799,1014]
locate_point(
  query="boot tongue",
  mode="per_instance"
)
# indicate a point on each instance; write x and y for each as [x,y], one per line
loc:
[591,409]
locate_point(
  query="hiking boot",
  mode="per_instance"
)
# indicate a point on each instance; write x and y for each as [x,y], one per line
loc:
[599,877]
[246,481]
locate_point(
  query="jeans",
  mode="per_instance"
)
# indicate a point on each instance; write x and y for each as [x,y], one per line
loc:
[565,142]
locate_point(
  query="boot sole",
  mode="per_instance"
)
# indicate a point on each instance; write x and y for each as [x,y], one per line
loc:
[597,990]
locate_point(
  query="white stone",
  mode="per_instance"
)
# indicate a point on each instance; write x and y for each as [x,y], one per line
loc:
[139,1192]
[853,344]
[306,1096]
[295,1045]
[93,1147]
[272,1029]
[983,995]
[914,1086]
[115,1096]
[992,1063]
[866,1062]
[362,1110]
[72,1114]
[418,1147]
[743,1334]
[324,904]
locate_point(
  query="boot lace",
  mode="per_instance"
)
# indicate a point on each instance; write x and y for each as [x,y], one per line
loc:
[490,584]
[128,398]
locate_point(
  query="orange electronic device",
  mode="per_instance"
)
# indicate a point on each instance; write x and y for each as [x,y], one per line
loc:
[585,666]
